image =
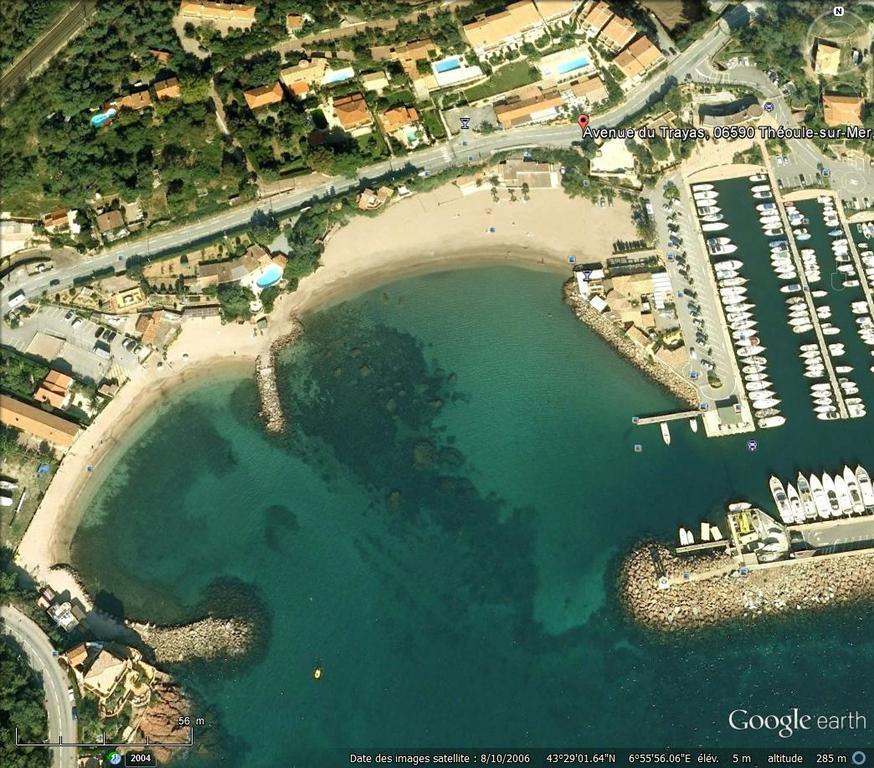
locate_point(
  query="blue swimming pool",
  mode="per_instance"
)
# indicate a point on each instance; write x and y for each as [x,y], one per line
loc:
[447,65]
[570,66]
[272,274]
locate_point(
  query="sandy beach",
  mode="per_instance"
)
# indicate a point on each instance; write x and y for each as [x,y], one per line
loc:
[442,229]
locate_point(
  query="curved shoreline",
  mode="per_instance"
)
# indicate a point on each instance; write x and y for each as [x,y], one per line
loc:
[437,231]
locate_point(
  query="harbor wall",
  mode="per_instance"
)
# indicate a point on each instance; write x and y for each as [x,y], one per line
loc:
[715,592]
[635,354]
[265,376]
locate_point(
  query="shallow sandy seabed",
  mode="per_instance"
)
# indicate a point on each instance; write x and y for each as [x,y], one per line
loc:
[427,232]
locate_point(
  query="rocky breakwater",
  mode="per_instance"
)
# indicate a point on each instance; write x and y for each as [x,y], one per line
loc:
[651,366]
[206,639]
[265,376]
[707,590]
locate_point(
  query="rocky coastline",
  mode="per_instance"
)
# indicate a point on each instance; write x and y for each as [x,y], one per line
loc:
[203,640]
[653,368]
[160,722]
[265,376]
[715,591]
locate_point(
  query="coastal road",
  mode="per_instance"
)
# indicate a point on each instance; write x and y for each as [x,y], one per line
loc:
[40,656]
[460,150]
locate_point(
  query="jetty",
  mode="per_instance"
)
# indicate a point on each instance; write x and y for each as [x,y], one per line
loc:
[661,418]
[265,376]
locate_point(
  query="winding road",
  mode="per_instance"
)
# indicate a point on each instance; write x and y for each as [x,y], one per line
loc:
[40,656]
[459,150]
[693,64]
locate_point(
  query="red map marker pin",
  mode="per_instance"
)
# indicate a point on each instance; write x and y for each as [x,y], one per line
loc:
[583,121]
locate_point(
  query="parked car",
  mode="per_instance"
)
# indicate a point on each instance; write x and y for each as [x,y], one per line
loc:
[99,332]
[69,315]
[109,336]
[77,322]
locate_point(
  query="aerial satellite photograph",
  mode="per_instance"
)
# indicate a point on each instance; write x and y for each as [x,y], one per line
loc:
[471,382]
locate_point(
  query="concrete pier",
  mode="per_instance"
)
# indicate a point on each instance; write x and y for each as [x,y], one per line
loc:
[642,421]
[805,288]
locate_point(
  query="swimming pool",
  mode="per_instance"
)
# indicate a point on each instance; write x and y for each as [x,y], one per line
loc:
[272,274]
[570,66]
[447,65]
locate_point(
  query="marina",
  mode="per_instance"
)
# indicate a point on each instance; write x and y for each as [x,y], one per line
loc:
[819,271]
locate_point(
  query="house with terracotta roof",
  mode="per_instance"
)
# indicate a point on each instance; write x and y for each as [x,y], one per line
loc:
[56,220]
[826,59]
[161,56]
[303,76]
[557,11]
[352,114]
[596,19]
[588,92]
[37,423]
[618,33]
[54,389]
[539,107]
[402,124]
[147,326]
[240,13]
[518,23]
[110,225]
[138,100]
[374,82]
[294,24]
[638,59]
[76,656]
[168,89]
[370,200]
[842,110]
[105,673]
[263,96]
[646,53]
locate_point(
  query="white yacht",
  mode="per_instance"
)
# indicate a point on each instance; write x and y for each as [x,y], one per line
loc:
[853,487]
[806,498]
[771,421]
[729,264]
[843,493]
[831,493]
[795,503]
[714,226]
[865,487]
[823,507]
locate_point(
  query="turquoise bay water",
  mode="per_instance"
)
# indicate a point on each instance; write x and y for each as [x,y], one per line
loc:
[441,534]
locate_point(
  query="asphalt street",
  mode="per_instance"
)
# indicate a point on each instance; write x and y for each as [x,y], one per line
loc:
[41,658]
[462,149]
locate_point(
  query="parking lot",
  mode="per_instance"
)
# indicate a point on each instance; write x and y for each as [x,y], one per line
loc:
[50,333]
[696,302]
[853,180]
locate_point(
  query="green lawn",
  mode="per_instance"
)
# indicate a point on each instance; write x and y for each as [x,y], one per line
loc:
[433,124]
[508,77]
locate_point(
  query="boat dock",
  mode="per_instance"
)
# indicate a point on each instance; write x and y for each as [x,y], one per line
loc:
[701,546]
[806,289]
[854,251]
[642,421]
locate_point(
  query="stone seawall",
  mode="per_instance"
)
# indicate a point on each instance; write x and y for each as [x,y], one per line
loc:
[265,376]
[716,592]
[636,355]
[205,639]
